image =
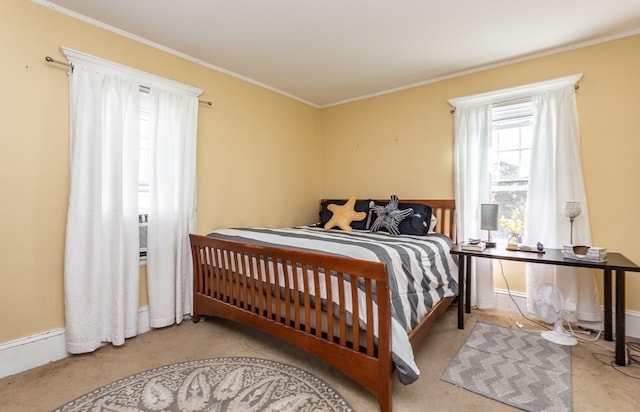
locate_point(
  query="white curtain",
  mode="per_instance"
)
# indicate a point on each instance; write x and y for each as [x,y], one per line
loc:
[102,264]
[473,187]
[101,267]
[555,178]
[172,214]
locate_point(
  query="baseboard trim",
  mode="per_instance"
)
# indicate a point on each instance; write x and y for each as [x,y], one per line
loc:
[23,354]
[504,302]
[26,353]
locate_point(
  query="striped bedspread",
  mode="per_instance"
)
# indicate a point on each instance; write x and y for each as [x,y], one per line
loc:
[421,272]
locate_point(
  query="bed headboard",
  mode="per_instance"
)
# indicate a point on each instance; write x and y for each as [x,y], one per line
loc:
[443,209]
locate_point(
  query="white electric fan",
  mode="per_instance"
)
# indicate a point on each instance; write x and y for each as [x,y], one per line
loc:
[548,306]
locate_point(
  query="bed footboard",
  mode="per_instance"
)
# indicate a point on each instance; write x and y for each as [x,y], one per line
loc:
[281,291]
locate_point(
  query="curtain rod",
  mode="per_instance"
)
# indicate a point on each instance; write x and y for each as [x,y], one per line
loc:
[70,66]
[453,111]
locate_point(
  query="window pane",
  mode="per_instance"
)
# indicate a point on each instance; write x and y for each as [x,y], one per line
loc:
[143,200]
[509,139]
[510,159]
[143,168]
[525,163]
[526,136]
[143,172]
[509,165]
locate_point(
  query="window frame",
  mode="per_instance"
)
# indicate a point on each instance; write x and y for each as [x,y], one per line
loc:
[143,185]
[511,115]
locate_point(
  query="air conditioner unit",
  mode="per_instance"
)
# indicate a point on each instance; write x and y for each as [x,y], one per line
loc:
[143,223]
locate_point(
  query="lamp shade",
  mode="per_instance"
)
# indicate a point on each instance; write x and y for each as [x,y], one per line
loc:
[488,216]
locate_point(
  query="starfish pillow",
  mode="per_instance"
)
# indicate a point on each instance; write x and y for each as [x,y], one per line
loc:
[389,216]
[344,215]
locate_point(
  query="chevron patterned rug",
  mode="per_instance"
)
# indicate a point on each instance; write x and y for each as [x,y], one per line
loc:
[514,367]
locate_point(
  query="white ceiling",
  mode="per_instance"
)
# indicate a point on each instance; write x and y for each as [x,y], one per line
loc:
[325,52]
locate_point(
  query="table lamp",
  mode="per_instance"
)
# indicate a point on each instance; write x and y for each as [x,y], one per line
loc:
[489,220]
[571,210]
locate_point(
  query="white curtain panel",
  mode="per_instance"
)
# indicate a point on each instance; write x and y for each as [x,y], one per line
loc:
[555,178]
[101,267]
[172,214]
[473,187]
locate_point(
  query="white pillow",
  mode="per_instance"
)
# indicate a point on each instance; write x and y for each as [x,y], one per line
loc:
[432,225]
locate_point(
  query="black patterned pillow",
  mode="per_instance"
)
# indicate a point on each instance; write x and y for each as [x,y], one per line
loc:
[419,223]
[389,216]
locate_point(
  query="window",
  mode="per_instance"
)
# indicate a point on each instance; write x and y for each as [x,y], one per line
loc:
[143,171]
[509,160]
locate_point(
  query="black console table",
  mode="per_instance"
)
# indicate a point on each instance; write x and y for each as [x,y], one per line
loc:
[615,262]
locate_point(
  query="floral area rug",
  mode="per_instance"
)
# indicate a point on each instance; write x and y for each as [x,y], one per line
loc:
[218,384]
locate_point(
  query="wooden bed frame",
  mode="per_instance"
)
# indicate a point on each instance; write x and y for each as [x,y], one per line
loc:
[219,291]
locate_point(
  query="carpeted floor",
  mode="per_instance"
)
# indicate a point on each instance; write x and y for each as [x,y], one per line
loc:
[597,386]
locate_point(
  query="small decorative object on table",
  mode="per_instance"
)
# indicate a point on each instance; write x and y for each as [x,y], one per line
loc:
[525,248]
[474,246]
[571,210]
[513,226]
[489,221]
[586,253]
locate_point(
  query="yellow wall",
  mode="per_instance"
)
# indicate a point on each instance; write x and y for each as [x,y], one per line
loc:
[399,143]
[402,143]
[265,159]
[258,154]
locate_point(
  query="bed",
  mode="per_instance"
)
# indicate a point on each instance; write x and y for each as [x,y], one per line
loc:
[342,296]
